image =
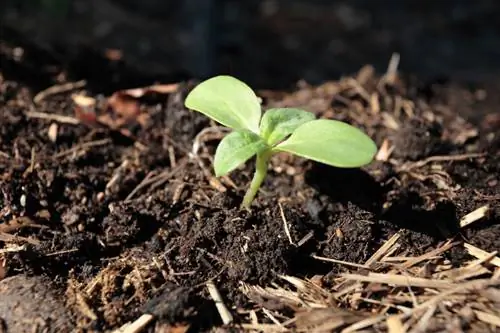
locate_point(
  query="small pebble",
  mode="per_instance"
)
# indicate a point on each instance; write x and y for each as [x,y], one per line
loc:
[52,133]
[100,196]
[22,200]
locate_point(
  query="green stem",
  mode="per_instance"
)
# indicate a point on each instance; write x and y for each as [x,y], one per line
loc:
[258,177]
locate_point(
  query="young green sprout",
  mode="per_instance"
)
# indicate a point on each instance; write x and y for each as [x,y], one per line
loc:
[233,104]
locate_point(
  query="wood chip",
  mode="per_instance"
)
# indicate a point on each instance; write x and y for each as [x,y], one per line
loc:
[474,216]
[481,254]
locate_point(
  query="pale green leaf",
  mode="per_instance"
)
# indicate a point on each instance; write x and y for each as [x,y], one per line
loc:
[235,149]
[277,124]
[228,101]
[331,142]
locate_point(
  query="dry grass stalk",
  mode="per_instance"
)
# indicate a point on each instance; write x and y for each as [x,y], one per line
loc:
[481,254]
[136,326]
[219,303]
[390,297]
[399,280]
[383,250]
[488,318]
[395,325]
[58,89]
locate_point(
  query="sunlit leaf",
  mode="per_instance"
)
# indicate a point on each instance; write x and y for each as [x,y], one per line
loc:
[228,101]
[235,149]
[277,124]
[330,142]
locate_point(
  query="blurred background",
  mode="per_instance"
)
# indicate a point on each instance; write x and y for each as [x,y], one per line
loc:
[270,44]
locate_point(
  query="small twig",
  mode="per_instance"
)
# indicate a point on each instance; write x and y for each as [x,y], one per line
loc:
[155,181]
[466,287]
[486,197]
[399,280]
[304,239]
[31,168]
[415,260]
[116,176]
[340,262]
[214,132]
[383,249]
[442,158]
[392,69]
[224,313]
[145,182]
[61,252]
[480,254]
[83,146]
[137,326]
[52,117]
[273,319]
[285,224]
[178,192]
[171,156]
[58,89]
[424,321]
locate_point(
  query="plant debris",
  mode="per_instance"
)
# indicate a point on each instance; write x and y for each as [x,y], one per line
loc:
[115,203]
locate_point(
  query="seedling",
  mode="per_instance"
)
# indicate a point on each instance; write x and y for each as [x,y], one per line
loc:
[233,104]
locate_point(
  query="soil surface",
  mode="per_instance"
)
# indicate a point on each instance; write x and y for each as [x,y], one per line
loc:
[107,220]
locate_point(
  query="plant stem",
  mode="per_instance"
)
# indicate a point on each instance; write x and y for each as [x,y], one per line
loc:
[258,177]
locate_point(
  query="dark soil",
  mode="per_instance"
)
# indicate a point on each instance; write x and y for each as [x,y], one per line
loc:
[128,222]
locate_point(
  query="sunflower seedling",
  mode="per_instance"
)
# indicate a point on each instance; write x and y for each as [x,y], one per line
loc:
[233,104]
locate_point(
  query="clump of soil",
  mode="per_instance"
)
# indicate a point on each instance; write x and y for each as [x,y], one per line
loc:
[128,220]
[29,303]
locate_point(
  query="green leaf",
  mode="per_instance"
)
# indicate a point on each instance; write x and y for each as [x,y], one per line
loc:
[331,142]
[235,149]
[228,101]
[277,124]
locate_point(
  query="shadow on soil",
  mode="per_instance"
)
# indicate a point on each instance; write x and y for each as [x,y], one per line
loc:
[359,188]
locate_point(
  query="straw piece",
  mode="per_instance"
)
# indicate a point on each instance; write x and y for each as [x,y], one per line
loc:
[394,325]
[383,249]
[224,313]
[399,280]
[430,254]
[487,318]
[474,216]
[137,326]
[481,254]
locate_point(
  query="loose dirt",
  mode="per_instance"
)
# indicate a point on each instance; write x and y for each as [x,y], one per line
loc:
[126,219]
